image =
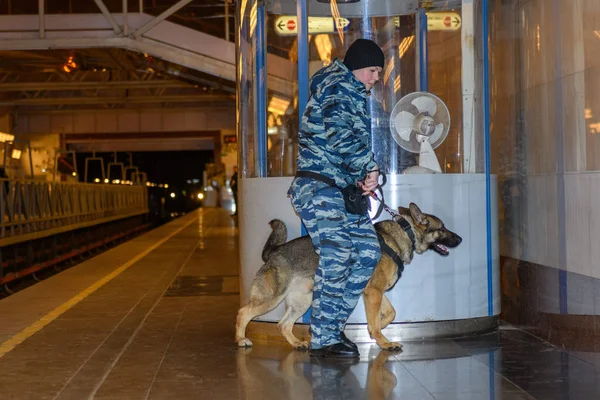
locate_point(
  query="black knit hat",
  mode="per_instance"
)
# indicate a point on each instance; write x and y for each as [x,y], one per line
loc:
[363,53]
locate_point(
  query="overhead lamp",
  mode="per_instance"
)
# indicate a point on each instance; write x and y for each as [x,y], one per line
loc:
[16,154]
[405,45]
[388,70]
[69,65]
[278,105]
[397,83]
[324,46]
[6,137]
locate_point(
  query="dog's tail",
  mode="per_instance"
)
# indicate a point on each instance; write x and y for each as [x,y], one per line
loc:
[277,237]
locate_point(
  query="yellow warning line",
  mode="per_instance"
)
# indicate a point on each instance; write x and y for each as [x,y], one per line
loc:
[32,329]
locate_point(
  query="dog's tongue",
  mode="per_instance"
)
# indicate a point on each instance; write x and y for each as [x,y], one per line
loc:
[442,248]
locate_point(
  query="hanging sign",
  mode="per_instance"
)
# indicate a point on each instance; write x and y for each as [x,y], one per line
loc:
[288,25]
[440,21]
[443,21]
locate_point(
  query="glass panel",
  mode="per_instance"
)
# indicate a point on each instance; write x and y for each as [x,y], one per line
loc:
[282,112]
[445,67]
[393,25]
[246,96]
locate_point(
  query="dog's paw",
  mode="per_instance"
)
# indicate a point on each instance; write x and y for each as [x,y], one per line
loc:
[391,346]
[301,346]
[245,342]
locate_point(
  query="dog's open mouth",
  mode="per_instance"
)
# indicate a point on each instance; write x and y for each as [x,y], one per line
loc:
[442,250]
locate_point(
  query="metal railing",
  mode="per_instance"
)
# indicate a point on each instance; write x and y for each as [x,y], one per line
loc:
[31,210]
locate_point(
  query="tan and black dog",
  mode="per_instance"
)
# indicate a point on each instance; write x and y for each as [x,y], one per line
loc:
[289,270]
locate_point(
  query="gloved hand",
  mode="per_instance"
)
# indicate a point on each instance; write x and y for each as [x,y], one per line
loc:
[370,182]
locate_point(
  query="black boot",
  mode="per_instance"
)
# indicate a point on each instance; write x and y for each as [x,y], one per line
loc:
[336,350]
[347,341]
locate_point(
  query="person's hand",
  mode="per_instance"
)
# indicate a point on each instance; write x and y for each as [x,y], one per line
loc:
[370,183]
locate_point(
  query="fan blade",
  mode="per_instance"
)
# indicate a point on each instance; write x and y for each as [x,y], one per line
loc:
[437,134]
[404,124]
[427,157]
[425,104]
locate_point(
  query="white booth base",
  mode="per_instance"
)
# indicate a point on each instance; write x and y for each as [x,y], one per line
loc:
[432,288]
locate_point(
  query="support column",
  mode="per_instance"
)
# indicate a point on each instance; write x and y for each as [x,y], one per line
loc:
[468,87]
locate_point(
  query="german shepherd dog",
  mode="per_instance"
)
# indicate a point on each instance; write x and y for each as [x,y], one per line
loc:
[289,270]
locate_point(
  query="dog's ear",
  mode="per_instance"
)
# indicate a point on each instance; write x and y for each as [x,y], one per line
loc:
[418,215]
[403,210]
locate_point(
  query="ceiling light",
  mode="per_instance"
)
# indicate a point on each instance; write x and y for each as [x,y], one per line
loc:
[6,137]
[405,45]
[278,105]
[324,46]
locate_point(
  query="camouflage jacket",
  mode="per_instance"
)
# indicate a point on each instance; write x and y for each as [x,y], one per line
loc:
[335,137]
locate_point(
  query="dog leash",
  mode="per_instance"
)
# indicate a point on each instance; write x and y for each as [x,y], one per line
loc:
[395,216]
[382,205]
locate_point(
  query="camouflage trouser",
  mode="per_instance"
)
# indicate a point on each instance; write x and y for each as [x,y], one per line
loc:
[348,253]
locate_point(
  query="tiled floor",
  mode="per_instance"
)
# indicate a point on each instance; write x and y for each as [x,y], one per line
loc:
[164,327]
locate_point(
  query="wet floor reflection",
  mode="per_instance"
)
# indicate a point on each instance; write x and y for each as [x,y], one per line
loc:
[428,370]
[508,365]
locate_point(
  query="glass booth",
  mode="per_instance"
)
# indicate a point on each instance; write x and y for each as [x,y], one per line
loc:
[430,46]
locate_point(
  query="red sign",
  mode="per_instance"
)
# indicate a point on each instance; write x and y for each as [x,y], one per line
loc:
[448,21]
[230,139]
[291,24]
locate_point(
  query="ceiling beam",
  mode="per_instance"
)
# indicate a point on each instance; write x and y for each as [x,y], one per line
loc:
[97,85]
[115,100]
[70,111]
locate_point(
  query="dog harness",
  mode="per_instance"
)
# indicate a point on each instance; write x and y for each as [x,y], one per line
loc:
[385,248]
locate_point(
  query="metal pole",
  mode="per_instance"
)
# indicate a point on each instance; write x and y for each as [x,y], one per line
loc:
[125,19]
[227,20]
[561,198]
[261,90]
[302,16]
[487,154]
[302,12]
[141,6]
[166,14]
[42,19]
[423,57]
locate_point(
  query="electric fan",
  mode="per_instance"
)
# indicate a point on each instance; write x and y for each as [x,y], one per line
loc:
[419,123]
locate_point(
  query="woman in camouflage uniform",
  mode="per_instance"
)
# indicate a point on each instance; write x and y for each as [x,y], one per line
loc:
[335,142]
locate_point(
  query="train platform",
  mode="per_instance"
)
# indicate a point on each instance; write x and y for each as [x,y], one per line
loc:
[154,318]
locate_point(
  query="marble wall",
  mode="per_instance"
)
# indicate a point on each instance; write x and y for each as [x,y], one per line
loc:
[546,129]
[545,59]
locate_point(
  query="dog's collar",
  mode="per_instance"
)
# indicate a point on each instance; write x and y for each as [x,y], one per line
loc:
[408,229]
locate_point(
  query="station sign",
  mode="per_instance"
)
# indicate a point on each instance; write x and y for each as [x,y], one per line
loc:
[441,21]
[288,25]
